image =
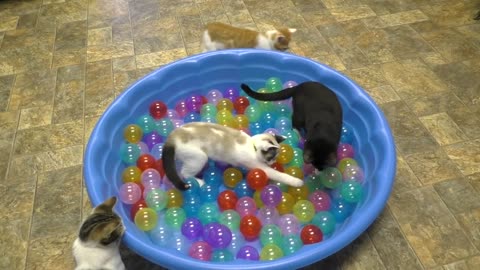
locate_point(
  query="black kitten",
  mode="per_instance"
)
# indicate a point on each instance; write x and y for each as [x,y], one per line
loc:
[318,112]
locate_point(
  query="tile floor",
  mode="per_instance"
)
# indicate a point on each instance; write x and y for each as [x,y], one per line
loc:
[62,62]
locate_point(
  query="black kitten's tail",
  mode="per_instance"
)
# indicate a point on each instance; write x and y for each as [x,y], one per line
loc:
[280,95]
[168,159]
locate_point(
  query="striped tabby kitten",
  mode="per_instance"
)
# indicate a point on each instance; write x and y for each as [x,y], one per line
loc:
[194,143]
[218,36]
[97,245]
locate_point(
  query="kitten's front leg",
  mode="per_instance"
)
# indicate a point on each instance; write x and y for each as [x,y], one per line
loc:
[282,177]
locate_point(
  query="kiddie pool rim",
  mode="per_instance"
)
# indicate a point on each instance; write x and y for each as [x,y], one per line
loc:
[302,259]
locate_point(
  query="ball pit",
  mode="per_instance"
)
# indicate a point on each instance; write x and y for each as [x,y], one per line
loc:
[114,151]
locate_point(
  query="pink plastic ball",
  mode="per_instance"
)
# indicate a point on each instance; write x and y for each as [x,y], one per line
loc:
[149,187]
[151,177]
[130,193]
[143,148]
[181,108]
[289,84]
[268,215]
[320,200]
[167,184]
[177,123]
[213,96]
[308,169]
[353,173]
[246,206]
[172,114]
[289,224]
[201,251]
[345,150]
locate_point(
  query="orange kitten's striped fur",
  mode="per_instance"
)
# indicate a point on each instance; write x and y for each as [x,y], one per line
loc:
[218,36]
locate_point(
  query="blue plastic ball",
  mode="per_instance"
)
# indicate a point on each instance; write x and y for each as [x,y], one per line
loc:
[213,176]
[243,190]
[208,193]
[341,209]
[192,117]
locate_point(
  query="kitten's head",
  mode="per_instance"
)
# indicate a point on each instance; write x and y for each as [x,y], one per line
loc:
[267,147]
[320,152]
[103,226]
[281,38]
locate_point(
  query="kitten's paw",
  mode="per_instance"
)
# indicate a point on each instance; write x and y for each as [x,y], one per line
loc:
[296,183]
[200,182]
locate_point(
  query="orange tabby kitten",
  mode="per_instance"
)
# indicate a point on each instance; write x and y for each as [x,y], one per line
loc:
[218,36]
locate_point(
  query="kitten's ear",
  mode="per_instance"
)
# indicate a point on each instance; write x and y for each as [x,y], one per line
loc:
[292,30]
[279,138]
[307,155]
[106,206]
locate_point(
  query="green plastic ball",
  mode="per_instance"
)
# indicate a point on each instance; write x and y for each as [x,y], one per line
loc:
[291,244]
[253,112]
[271,234]
[331,177]
[325,221]
[208,213]
[274,84]
[222,255]
[271,252]
[351,191]
[231,219]
[129,153]
[304,211]
[313,182]
[174,217]
[146,123]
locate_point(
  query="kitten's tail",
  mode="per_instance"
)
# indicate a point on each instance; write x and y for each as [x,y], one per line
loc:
[168,159]
[280,95]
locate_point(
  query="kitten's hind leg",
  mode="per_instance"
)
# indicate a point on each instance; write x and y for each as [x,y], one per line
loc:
[193,163]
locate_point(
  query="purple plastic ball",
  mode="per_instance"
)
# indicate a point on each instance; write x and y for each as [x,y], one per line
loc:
[213,96]
[152,138]
[271,195]
[248,253]
[289,224]
[289,84]
[192,228]
[181,108]
[272,131]
[231,93]
[177,123]
[194,103]
[217,235]
[143,147]
[172,114]
[268,215]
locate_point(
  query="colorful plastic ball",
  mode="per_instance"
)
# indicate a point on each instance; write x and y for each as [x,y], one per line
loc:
[297,160]
[257,198]
[255,128]
[253,112]
[286,204]
[291,243]
[227,200]
[130,193]
[298,193]
[304,211]
[147,188]
[208,119]
[222,255]
[174,217]
[274,84]
[325,221]
[270,252]
[345,150]
[217,235]
[346,135]
[231,219]
[341,209]
[192,117]
[231,177]
[311,234]
[320,200]
[213,176]
[137,206]
[268,120]
[313,182]
[271,234]
[248,253]
[156,199]
[133,133]
[292,137]
[161,235]
[250,227]
[242,190]
[246,206]
[146,123]
[231,93]
[241,121]
[179,242]
[285,154]
[279,167]
[237,241]
[289,224]
[331,177]
[143,147]
[351,191]
[145,161]
[158,109]
[181,108]
[175,198]
[146,219]
[268,215]
[343,164]
[131,174]
[271,195]
[157,151]
[194,187]
[152,139]
[353,173]
[151,177]
[213,96]
[225,104]
[272,131]
[289,84]
[283,110]
[159,167]
[194,103]
[257,179]
[208,212]
[200,250]
[283,123]
[208,109]
[208,193]
[129,153]
[240,104]
[191,205]
[172,114]
[295,172]
[165,126]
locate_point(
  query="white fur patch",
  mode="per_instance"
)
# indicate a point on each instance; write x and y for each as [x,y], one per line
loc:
[91,256]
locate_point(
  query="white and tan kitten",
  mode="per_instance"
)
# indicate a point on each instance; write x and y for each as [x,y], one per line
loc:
[194,143]
[97,245]
[218,36]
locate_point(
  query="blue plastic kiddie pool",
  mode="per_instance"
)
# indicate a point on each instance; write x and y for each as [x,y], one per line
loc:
[375,149]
